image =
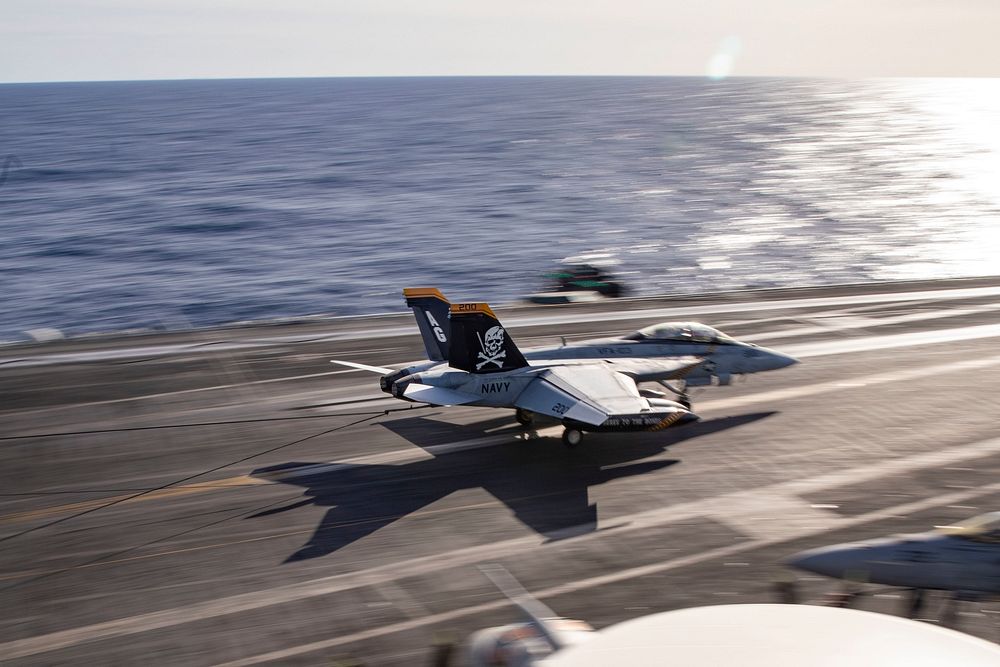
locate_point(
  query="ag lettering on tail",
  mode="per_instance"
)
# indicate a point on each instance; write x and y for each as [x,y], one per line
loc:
[430,307]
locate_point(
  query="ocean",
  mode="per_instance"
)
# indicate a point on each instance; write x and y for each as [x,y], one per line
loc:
[177,204]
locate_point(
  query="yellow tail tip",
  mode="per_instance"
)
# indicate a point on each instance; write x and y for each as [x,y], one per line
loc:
[471,309]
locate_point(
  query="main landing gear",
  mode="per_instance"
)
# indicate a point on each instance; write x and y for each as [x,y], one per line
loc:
[572,437]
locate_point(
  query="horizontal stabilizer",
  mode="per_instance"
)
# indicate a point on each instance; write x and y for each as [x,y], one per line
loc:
[362,367]
[437,395]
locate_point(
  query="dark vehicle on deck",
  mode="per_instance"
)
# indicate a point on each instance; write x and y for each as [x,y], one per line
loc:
[580,281]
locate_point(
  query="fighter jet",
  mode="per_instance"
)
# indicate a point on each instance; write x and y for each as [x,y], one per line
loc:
[485,368]
[963,558]
[706,355]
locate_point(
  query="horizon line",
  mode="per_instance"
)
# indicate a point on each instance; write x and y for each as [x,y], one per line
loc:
[496,76]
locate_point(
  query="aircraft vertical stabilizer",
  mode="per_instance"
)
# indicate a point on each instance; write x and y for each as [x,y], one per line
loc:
[430,308]
[479,344]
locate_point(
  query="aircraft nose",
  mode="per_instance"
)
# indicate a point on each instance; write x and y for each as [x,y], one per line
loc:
[828,561]
[689,417]
[776,360]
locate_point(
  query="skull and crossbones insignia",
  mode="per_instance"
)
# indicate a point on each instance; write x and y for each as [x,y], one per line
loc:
[492,348]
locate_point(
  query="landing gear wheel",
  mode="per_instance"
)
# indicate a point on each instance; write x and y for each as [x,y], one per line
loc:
[523,417]
[572,437]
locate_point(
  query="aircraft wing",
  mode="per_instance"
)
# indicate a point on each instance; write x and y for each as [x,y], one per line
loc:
[588,393]
[650,370]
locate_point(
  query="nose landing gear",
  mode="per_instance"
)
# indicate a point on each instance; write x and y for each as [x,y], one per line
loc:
[680,390]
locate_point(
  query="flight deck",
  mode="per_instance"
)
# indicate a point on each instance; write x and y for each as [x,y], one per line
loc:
[228,497]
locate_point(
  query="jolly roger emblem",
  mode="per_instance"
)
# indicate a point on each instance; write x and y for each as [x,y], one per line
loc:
[491,348]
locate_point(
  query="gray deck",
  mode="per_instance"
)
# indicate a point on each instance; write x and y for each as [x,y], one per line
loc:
[160,511]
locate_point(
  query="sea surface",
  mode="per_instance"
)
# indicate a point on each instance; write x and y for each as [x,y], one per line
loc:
[177,204]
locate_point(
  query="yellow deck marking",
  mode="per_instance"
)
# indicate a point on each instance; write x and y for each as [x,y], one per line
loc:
[124,499]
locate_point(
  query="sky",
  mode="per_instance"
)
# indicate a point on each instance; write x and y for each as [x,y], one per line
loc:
[80,40]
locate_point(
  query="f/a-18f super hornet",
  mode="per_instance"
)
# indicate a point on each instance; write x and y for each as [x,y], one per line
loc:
[704,355]
[963,558]
[485,368]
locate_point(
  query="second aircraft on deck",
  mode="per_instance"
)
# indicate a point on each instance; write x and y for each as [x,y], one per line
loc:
[963,558]
[589,386]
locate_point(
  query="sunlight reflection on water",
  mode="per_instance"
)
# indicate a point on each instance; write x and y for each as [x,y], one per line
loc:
[217,201]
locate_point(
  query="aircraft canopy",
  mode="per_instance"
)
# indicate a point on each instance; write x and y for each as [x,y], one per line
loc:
[693,332]
[982,528]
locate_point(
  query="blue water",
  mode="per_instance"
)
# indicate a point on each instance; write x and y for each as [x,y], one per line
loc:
[192,203]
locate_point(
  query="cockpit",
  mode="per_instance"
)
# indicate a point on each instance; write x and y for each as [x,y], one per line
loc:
[690,332]
[982,528]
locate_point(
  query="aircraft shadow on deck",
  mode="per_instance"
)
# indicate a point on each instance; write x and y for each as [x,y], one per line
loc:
[426,432]
[544,484]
